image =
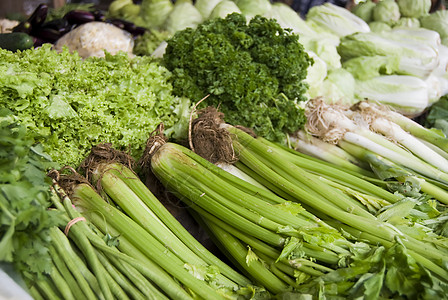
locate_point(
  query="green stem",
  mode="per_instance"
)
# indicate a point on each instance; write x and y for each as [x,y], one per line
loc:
[136,209]
[140,189]
[136,259]
[62,267]
[119,278]
[85,279]
[323,255]
[144,286]
[61,284]
[255,268]
[144,241]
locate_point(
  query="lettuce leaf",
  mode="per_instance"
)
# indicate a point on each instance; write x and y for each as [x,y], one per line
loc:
[72,104]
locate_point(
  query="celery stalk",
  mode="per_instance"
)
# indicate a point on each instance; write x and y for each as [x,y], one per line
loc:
[144,241]
[238,252]
[139,188]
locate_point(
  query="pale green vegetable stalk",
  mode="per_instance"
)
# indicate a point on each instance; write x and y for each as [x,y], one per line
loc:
[246,145]
[379,163]
[310,145]
[89,200]
[129,192]
[86,266]
[248,212]
[394,132]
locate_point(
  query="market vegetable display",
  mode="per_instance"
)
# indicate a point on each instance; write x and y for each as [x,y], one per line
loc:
[25,221]
[233,62]
[317,186]
[71,104]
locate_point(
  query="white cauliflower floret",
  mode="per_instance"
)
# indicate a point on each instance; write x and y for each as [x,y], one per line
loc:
[91,39]
[6,25]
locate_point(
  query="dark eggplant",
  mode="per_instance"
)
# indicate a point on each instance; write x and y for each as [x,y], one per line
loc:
[48,35]
[60,25]
[99,15]
[35,20]
[128,26]
[78,17]
[39,15]
[38,41]
[23,26]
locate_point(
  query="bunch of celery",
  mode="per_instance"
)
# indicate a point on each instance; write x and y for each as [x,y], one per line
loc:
[180,266]
[85,264]
[280,169]
[272,237]
[275,240]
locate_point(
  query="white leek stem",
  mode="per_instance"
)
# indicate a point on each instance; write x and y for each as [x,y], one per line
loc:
[415,164]
[435,148]
[407,124]
[397,134]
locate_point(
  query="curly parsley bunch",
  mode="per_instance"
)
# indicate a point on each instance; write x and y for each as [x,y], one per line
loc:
[254,72]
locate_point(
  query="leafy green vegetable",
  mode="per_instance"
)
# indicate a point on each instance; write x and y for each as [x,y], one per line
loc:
[407,94]
[336,19]
[437,21]
[417,48]
[155,12]
[364,10]
[437,117]
[183,15]
[72,104]
[386,11]
[414,8]
[407,22]
[24,198]
[254,72]
[377,26]
[224,8]
[251,8]
[205,7]
[366,67]
[146,43]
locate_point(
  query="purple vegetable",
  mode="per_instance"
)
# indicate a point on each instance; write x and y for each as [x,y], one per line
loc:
[78,17]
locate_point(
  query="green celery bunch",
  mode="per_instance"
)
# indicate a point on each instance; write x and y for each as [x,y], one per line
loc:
[277,242]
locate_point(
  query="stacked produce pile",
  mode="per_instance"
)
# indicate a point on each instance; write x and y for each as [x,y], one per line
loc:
[263,124]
